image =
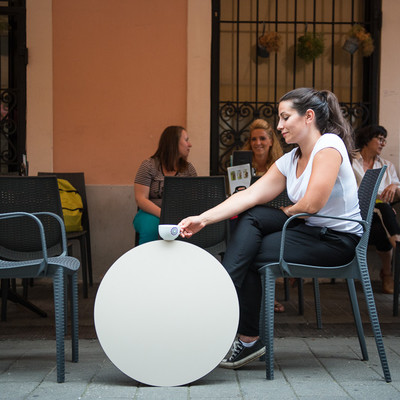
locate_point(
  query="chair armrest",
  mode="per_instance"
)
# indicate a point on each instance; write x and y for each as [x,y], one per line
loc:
[282,261]
[62,228]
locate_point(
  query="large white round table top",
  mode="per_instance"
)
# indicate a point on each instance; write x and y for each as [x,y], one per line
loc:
[166,313]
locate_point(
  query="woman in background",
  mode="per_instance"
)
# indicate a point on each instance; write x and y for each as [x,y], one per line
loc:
[170,159]
[264,144]
[385,230]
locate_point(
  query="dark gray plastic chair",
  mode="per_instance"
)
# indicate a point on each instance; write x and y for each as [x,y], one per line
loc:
[356,269]
[33,244]
[185,196]
[77,180]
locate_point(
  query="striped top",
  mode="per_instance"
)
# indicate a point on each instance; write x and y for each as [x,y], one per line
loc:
[150,174]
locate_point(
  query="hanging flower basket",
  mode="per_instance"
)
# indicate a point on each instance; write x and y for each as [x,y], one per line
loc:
[310,46]
[267,43]
[359,38]
[351,45]
[262,51]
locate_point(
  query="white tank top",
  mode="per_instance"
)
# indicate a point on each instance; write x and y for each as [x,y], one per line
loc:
[343,201]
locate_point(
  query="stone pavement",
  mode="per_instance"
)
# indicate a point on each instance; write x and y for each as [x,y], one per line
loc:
[309,363]
[305,368]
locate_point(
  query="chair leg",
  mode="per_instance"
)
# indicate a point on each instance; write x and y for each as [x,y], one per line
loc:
[69,248]
[286,284]
[373,315]
[267,321]
[84,264]
[58,287]
[89,259]
[66,311]
[4,298]
[317,302]
[73,281]
[25,285]
[396,268]
[82,244]
[357,318]
[300,293]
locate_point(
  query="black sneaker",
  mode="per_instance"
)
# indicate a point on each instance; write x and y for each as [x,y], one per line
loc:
[242,355]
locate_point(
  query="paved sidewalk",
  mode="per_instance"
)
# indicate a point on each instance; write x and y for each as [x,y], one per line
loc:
[305,368]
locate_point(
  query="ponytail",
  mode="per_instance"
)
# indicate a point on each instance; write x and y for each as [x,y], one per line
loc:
[328,115]
[339,125]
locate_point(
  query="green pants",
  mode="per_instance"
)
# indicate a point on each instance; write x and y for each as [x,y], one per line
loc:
[147,226]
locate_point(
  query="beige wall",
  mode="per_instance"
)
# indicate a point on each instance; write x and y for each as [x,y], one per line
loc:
[112,208]
[120,76]
[390,81]
[198,83]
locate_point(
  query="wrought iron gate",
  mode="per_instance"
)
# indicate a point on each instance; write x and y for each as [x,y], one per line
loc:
[246,86]
[13,62]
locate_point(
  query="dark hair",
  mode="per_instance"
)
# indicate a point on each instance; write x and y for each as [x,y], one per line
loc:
[328,115]
[168,149]
[367,133]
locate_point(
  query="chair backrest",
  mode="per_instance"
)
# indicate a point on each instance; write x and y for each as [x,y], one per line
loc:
[20,235]
[240,157]
[282,200]
[367,193]
[369,189]
[186,196]
[77,180]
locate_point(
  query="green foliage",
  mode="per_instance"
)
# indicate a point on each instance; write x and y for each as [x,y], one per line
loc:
[310,46]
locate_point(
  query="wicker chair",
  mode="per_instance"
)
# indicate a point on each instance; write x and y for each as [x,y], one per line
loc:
[33,244]
[185,196]
[356,269]
[77,179]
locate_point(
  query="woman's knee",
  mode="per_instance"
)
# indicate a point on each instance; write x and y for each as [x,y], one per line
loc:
[147,226]
[266,219]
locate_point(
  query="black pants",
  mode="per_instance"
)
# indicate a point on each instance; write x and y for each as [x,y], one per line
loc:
[256,242]
[383,225]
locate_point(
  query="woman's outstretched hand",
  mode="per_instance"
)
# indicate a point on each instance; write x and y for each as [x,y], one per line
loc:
[191,225]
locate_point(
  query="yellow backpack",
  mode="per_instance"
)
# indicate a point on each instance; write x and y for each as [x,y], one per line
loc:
[72,206]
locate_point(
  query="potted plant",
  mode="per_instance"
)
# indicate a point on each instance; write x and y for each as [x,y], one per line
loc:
[359,38]
[268,43]
[310,46]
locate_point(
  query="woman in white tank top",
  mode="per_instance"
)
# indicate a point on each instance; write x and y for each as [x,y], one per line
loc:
[318,178]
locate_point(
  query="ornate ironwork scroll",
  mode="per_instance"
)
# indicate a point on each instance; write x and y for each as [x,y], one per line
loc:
[235,119]
[8,129]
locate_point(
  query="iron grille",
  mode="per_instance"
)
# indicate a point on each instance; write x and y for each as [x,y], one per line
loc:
[13,62]
[246,86]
